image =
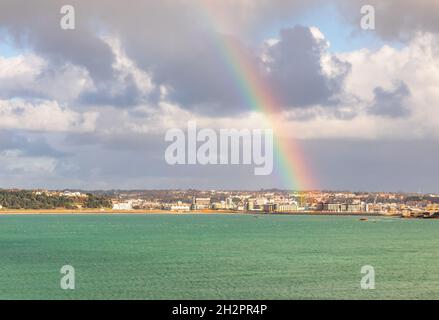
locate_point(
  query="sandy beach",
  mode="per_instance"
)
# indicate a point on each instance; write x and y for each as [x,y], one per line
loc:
[196,212]
[109,211]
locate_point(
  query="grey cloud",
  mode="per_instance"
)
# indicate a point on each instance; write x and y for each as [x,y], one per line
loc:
[127,94]
[296,71]
[38,25]
[171,40]
[137,161]
[391,103]
[356,165]
[28,145]
[387,165]
[176,47]
[202,79]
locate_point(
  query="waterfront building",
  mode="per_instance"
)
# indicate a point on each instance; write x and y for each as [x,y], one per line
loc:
[354,207]
[269,207]
[200,203]
[179,206]
[123,206]
[335,207]
[229,203]
[286,207]
[250,206]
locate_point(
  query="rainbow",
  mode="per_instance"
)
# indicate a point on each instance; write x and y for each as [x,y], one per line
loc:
[258,94]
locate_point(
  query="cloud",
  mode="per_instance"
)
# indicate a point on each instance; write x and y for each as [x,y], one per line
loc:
[26,157]
[40,30]
[375,165]
[391,103]
[390,94]
[185,56]
[23,166]
[297,67]
[16,144]
[106,92]
[296,71]
[30,76]
[130,85]
[45,116]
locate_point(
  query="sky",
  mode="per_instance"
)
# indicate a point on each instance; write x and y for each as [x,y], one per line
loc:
[89,108]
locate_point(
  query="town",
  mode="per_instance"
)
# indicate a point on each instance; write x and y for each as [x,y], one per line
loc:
[273,201]
[281,202]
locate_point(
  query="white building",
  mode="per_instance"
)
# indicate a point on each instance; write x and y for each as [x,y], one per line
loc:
[73,194]
[286,207]
[179,206]
[123,206]
[201,203]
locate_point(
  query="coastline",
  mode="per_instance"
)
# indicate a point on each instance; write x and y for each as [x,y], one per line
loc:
[194,212]
[108,211]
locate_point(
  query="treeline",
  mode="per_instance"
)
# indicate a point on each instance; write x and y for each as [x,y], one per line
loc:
[95,201]
[25,199]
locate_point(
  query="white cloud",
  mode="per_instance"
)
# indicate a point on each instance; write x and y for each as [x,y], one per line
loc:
[125,66]
[31,75]
[44,116]
[416,65]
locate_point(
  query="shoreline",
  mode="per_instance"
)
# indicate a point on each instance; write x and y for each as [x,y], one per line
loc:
[195,212]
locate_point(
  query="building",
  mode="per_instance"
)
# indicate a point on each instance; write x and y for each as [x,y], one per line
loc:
[200,203]
[357,207]
[335,207]
[218,205]
[179,206]
[229,203]
[270,207]
[286,207]
[123,206]
[73,194]
[261,201]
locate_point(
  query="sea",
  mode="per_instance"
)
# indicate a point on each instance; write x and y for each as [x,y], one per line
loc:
[242,256]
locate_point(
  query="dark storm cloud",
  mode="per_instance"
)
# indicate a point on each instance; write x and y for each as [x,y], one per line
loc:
[203,80]
[391,103]
[296,70]
[171,41]
[38,25]
[200,79]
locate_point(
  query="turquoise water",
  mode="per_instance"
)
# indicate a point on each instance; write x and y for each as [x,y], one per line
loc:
[217,257]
